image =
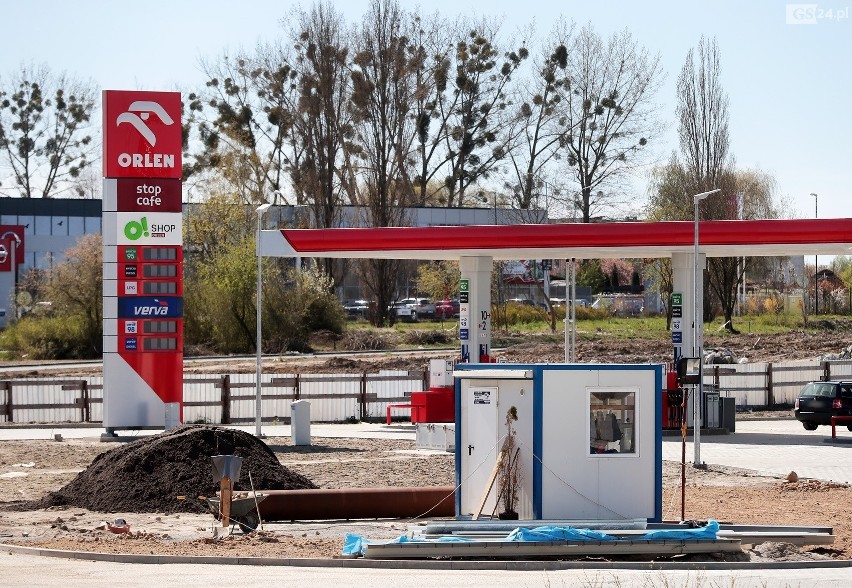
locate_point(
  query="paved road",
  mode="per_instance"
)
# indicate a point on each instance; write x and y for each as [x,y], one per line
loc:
[774,447]
[48,572]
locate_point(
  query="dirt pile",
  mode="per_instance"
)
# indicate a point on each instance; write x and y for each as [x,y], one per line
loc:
[149,474]
[812,486]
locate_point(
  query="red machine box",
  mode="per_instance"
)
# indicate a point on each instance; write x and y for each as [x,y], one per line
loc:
[437,405]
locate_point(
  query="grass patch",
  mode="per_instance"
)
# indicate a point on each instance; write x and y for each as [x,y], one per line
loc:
[590,326]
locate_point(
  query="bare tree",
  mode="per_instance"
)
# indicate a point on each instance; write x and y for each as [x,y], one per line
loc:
[744,194]
[384,86]
[243,125]
[278,119]
[748,194]
[323,131]
[431,48]
[383,92]
[477,108]
[702,111]
[44,131]
[610,111]
[541,127]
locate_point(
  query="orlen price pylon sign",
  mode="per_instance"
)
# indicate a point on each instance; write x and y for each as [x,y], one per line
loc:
[143,254]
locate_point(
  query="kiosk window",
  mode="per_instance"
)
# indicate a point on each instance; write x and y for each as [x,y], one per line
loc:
[612,422]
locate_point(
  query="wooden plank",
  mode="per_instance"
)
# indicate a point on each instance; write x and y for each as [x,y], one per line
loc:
[491,479]
[226,488]
[75,405]
[25,382]
[203,380]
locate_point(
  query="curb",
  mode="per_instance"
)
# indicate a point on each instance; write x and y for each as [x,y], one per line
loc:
[421,564]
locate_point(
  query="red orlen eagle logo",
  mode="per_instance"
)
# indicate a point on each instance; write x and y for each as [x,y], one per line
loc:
[142,134]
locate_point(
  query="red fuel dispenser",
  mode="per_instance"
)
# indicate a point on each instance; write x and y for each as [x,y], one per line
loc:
[438,404]
[672,402]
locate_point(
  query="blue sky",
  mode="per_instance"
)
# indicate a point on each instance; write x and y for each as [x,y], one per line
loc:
[789,85]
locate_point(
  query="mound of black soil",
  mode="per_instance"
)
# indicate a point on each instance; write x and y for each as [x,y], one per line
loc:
[149,474]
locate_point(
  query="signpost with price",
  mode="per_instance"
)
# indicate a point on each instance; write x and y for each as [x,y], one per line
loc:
[475,310]
[677,324]
[143,255]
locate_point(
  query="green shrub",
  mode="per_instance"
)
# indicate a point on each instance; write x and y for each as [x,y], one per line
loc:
[50,338]
[524,313]
[587,313]
[324,313]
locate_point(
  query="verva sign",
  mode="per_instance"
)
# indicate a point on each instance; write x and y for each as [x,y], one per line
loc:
[142,134]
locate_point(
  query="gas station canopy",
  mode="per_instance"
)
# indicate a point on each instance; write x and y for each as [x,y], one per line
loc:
[729,238]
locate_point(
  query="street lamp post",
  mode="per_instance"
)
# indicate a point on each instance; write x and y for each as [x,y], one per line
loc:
[816,260]
[697,346]
[257,399]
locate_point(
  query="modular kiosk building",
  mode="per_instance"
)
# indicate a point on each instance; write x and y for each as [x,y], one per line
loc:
[589,439]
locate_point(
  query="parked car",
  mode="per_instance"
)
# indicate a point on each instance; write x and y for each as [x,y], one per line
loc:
[413,309]
[621,304]
[819,401]
[356,309]
[524,301]
[447,309]
[561,302]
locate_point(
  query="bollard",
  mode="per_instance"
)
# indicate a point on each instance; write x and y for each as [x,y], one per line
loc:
[172,415]
[300,422]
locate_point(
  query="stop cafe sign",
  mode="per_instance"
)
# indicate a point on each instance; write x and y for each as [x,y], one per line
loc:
[142,134]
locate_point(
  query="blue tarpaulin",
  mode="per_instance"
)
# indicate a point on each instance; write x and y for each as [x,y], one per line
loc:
[357,545]
[558,534]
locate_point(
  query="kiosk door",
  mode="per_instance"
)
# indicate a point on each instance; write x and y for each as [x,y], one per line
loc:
[478,450]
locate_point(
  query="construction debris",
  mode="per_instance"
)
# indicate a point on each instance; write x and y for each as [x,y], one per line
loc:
[149,474]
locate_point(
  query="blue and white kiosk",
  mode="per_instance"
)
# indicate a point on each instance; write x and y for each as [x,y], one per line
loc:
[589,439]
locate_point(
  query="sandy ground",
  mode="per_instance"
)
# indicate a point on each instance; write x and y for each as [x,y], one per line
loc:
[29,469]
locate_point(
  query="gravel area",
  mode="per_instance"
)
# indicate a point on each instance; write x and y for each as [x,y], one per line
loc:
[31,469]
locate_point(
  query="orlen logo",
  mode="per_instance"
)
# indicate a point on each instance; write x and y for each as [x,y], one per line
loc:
[143,137]
[146,108]
[161,308]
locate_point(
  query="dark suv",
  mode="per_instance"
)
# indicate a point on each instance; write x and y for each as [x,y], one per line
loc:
[819,401]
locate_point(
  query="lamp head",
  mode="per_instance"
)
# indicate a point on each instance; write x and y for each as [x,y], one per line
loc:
[704,195]
[263,208]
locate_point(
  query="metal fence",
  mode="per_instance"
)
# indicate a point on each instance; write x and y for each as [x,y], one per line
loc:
[230,398]
[221,399]
[763,385]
